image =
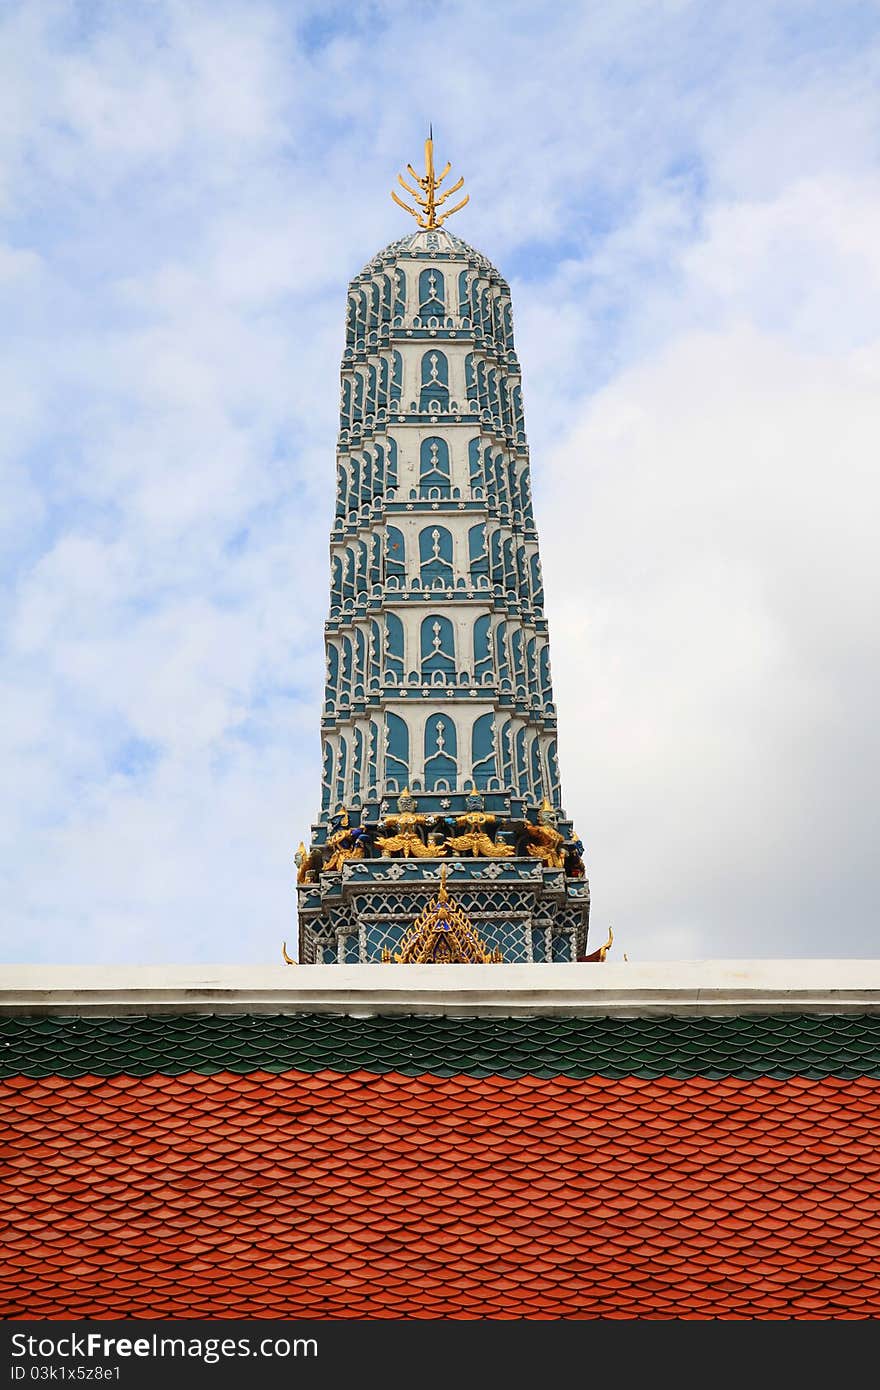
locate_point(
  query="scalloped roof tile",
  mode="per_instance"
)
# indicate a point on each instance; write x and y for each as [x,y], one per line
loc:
[322,1166]
[540,1048]
[322,1194]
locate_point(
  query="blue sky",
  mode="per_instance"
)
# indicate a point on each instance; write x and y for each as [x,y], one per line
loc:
[685,198]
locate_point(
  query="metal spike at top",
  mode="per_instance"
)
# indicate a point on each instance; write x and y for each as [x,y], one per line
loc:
[428,202]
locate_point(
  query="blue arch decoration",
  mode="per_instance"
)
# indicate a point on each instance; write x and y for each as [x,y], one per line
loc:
[525,498]
[374,671]
[326,775]
[346,584]
[332,671]
[399,293]
[435,555]
[391,467]
[360,663]
[357,409]
[372,754]
[509,565]
[475,468]
[435,474]
[395,556]
[537,776]
[361,563]
[532,669]
[396,752]
[374,572]
[435,380]
[505,744]
[544,673]
[432,293]
[501,663]
[483,665]
[516,653]
[537,584]
[345,405]
[508,325]
[393,647]
[555,794]
[478,554]
[386,298]
[471,384]
[464,298]
[441,751]
[341,489]
[437,645]
[521,772]
[346,667]
[483,751]
[496,567]
[341,769]
[357,762]
[386,467]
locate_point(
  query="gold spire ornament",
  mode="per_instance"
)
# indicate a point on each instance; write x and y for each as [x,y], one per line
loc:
[425,195]
[442,934]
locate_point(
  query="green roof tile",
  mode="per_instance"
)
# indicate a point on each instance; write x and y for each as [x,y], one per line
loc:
[793,1045]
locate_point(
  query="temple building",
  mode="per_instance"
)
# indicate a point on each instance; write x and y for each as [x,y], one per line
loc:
[438,726]
[444,1113]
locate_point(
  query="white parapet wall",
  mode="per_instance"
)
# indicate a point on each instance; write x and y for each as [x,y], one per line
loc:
[719,987]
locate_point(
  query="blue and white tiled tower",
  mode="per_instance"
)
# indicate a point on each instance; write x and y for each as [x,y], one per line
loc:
[439,727]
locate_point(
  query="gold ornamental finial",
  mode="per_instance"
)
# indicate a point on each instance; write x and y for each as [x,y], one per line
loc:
[426,199]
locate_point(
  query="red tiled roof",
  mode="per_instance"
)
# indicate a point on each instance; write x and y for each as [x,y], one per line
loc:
[363,1195]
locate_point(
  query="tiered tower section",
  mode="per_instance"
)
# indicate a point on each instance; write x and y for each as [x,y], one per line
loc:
[438,673]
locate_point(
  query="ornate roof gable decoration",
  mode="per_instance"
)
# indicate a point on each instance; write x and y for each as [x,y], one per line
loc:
[442,934]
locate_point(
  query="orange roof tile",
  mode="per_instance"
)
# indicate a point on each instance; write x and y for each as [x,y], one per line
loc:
[321,1195]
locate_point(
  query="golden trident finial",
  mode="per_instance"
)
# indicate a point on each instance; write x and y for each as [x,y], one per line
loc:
[427,199]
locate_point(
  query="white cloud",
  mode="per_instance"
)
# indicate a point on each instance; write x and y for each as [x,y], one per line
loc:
[712,632]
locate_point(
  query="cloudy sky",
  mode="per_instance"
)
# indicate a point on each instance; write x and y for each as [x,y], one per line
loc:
[685,198]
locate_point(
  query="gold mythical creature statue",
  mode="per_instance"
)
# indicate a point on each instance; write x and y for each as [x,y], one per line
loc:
[308,864]
[409,827]
[476,827]
[343,843]
[544,841]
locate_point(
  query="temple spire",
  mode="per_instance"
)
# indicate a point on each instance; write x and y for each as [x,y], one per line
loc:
[426,195]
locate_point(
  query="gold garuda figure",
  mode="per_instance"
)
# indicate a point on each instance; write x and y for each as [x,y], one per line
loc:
[410,838]
[476,828]
[303,870]
[343,843]
[544,841]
